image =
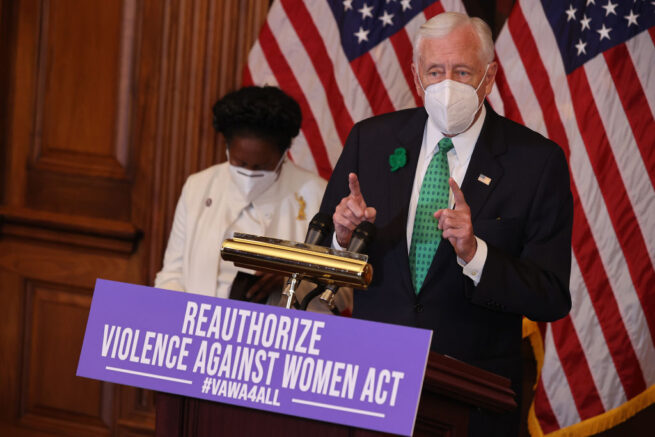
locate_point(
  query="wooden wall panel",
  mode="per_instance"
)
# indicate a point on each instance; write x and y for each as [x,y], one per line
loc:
[81,113]
[52,396]
[78,85]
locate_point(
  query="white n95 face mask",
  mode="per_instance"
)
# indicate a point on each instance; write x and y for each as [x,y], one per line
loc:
[252,183]
[452,105]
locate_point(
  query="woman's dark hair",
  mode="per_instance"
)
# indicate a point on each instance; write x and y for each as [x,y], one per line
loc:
[264,112]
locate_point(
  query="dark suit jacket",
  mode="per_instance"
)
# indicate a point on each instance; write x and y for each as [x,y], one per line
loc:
[525,216]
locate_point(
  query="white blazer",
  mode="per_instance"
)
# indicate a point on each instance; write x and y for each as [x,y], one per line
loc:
[210,204]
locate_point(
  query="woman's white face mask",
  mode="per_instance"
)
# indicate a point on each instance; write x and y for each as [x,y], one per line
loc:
[452,105]
[252,183]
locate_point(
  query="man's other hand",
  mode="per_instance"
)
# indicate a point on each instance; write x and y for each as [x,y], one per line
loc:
[457,226]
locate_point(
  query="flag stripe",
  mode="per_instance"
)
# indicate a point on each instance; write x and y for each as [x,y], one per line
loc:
[307,78]
[393,79]
[520,88]
[600,292]
[258,68]
[315,47]
[495,100]
[301,153]
[509,102]
[592,339]
[247,77]
[403,48]
[538,78]
[634,104]
[439,7]
[371,82]
[556,385]
[642,53]
[287,80]
[544,410]
[621,212]
[624,146]
[578,374]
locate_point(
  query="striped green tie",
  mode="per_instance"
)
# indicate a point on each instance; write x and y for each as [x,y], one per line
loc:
[432,197]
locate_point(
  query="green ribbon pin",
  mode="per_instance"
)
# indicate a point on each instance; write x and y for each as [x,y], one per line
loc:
[398,158]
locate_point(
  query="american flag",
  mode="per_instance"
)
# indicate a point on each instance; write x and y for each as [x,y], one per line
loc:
[581,73]
[578,72]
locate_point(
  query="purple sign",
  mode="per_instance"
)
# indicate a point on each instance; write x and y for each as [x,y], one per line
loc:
[334,369]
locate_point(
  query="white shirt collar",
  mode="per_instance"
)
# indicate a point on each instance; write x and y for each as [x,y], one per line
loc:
[463,143]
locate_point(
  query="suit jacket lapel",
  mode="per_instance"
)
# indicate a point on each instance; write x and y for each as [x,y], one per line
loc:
[402,180]
[483,164]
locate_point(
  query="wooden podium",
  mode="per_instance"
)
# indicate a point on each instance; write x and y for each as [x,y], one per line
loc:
[450,389]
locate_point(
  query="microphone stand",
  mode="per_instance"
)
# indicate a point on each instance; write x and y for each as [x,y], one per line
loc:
[290,290]
[362,236]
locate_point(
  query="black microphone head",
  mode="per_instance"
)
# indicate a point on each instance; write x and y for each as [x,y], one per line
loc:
[363,234]
[322,220]
[366,230]
[319,227]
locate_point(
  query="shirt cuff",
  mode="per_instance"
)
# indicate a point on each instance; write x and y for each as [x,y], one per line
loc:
[473,269]
[335,243]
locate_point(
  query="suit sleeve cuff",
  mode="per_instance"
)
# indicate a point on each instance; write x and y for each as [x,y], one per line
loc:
[335,243]
[473,269]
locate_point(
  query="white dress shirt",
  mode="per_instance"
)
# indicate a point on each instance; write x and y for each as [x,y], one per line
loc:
[458,162]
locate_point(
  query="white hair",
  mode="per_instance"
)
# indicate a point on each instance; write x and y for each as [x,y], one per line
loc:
[443,24]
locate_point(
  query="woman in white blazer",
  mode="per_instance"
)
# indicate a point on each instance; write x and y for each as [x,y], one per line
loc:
[257,191]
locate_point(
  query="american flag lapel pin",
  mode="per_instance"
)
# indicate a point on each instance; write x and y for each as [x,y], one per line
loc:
[484,179]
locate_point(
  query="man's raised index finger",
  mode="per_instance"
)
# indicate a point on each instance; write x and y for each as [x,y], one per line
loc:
[353,184]
[458,195]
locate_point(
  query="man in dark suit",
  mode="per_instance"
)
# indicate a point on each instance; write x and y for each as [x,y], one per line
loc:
[497,250]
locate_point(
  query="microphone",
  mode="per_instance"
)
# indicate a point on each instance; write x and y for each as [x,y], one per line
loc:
[363,234]
[319,228]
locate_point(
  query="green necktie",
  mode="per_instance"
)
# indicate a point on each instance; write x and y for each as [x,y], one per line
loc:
[432,197]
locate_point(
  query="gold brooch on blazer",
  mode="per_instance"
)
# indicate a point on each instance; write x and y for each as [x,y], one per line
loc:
[301,207]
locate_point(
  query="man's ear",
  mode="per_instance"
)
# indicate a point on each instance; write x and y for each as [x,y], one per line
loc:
[417,84]
[490,78]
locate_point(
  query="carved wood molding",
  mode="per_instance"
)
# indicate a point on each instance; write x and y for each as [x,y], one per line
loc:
[67,229]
